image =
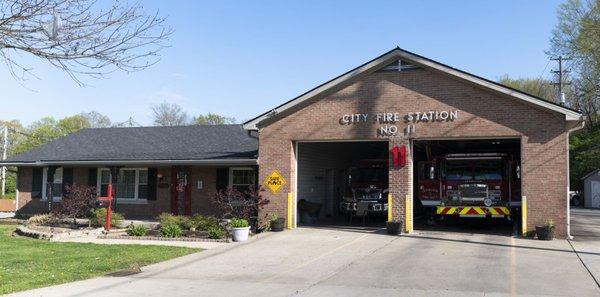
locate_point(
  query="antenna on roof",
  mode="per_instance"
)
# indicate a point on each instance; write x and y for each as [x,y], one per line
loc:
[129,123]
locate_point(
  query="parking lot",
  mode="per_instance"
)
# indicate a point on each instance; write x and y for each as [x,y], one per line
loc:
[358,262]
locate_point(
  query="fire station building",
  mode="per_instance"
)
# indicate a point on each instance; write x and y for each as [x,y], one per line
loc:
[401,131]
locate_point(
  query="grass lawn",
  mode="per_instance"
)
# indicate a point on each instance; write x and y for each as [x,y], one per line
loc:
[27,263]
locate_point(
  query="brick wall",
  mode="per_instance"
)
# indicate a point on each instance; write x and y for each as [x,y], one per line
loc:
[200,197]
[482,113]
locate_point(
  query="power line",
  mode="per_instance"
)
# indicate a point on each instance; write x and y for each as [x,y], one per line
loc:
[561,73]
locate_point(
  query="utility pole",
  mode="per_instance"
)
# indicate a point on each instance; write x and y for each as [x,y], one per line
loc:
[561,73]
[4,149]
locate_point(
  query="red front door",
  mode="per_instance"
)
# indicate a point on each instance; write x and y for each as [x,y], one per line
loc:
[181,191]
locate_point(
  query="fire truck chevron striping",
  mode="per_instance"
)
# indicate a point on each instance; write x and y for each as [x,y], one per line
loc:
[476,211]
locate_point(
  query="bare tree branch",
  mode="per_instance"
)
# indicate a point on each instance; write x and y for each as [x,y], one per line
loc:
[83,38]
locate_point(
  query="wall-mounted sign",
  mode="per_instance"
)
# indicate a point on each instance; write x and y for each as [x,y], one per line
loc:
[274,181]
[390,120]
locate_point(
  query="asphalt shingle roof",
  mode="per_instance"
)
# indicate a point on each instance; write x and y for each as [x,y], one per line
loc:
[200,142]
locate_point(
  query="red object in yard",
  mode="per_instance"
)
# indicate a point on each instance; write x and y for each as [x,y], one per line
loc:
[108,200]
[399,156]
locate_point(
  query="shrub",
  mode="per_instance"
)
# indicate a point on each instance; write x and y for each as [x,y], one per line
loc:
[43,220]
[98,217]
[204,223]
[184,222]
[137,230]
[171,230]
[235,203]
[78,202]
[215,232]
[239,223]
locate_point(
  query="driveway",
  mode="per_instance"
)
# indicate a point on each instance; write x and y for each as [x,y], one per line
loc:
[334,262]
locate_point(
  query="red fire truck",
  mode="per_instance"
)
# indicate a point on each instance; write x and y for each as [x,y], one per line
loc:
[470,185]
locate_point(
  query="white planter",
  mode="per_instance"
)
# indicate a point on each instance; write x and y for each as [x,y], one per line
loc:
[240,234]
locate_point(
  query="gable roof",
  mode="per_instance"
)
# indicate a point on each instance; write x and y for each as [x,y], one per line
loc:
[590,174]
[207,144]
[418,60]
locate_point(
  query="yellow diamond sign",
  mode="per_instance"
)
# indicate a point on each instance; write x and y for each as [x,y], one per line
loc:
[274,181]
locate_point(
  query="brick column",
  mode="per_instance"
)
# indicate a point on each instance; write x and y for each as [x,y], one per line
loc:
[400,180]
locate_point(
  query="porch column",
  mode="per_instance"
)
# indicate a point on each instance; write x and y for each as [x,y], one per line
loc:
[400,185]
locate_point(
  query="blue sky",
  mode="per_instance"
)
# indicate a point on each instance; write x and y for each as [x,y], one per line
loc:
[241,58]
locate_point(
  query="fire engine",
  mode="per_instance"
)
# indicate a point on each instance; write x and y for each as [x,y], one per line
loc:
[470,185]
[367,183]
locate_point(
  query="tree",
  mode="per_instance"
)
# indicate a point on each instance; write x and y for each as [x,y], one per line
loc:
[538,87]
[80,37]
[47,129]
[96,119]
[577,37]
[169,114]
[213,119]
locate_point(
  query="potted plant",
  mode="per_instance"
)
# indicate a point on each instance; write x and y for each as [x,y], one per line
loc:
[545,232]
[239,229]
[276,223]
[393,227]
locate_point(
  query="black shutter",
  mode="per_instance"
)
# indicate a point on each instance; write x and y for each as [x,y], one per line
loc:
[36,183]
[222,178]
[152,183]
[67,179]
[93,177]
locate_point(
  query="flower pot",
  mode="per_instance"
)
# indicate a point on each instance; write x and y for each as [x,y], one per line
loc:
[393,228]
[278,225]
[544,232]
[240,234]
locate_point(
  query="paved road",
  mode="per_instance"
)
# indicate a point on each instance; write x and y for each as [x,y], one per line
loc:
[325,262]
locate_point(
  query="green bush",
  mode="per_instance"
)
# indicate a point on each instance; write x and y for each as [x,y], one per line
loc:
[239,223]
[98,217]
[203,223]
[137,230]
[171,230]
[183,222]
[215,232]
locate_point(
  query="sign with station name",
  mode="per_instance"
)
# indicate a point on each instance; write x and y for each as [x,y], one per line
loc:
[390,120]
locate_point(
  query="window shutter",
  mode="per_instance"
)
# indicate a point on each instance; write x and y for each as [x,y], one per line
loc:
[67,179]
[152,183]
[222,178]
[93,177]
[36,183]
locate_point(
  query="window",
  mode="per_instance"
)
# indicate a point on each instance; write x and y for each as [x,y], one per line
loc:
[132,183]
[241,178]
[56,186]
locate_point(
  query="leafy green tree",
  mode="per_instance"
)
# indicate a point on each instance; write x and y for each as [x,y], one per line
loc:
[213,119]
[577,37]
[542,88]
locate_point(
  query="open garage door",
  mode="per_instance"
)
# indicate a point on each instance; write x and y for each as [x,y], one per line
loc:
[467,185]
[342,183]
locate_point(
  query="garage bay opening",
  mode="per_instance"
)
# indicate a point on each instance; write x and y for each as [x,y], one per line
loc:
[342,183]
[467,185]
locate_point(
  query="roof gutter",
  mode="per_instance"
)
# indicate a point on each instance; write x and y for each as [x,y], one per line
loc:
[134,162]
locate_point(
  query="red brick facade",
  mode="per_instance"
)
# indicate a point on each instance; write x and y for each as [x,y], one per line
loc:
[481,113]
[200,198]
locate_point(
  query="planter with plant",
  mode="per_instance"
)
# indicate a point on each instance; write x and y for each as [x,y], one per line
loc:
[393,227]
[239,229]
[546,231]
[276,223]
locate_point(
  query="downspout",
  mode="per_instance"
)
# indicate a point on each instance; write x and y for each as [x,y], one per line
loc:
[578,127]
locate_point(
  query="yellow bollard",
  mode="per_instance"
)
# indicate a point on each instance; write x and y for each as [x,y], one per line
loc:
[524,216]
[290,206]
[407,213]
[389,207]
